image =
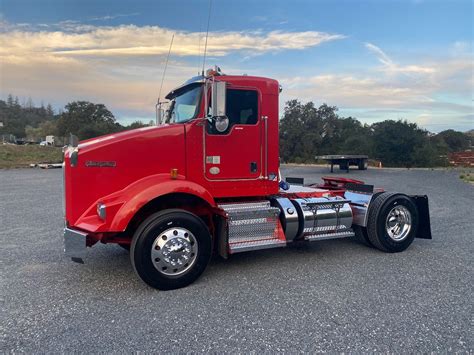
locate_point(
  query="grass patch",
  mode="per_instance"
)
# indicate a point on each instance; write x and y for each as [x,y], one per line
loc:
[21,156]
[467,176]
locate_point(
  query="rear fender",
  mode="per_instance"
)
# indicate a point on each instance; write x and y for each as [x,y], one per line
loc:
[360,204]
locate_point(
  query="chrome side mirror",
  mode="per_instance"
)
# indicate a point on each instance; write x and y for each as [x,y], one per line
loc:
[218,110]
[218,99]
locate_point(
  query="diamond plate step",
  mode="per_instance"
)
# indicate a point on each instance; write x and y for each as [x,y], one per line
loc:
[325,236]
[253,226]
[256,245]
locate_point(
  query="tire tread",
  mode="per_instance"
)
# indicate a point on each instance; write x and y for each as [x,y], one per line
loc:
[373,217]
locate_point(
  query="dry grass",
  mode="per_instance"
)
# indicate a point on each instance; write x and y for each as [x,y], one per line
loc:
[21,156]
[467,176]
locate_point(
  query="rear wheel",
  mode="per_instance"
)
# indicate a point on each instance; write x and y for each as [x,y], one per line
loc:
[392,222]
[360,235]
[171,249]
[124,246]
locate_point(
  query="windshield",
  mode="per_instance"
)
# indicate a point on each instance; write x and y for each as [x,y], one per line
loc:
[185,106]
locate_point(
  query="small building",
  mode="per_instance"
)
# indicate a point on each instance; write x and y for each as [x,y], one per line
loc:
[50,140]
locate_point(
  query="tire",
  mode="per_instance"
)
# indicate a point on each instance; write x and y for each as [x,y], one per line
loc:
[379,232]
[186,240]
[361,236]
[124,246]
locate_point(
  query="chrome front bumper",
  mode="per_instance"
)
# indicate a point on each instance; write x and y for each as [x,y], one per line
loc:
[75,244]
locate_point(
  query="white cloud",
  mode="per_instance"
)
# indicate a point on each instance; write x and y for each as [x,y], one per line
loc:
[384,59]
[129,40]
[433,98]
[390,66]
[120,66]
[112,17]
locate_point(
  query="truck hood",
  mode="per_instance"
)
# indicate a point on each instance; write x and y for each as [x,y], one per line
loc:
[113,138]
[110,163]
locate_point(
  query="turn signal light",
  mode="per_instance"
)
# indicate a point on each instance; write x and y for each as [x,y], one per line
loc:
[174,173]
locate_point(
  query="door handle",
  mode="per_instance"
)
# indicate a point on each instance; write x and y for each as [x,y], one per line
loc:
[253,167]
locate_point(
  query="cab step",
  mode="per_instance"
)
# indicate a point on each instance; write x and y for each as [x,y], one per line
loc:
[253,226]
[325,236]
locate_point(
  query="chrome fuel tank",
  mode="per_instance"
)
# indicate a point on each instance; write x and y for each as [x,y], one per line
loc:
[315,218]
[323,215]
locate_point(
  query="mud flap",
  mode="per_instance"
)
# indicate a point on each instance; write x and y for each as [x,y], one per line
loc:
[424,226]
[222,237]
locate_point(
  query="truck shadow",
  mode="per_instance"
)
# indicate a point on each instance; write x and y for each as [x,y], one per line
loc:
[109,260]
[298,253]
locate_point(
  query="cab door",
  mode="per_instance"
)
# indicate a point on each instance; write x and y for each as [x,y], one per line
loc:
[236,154]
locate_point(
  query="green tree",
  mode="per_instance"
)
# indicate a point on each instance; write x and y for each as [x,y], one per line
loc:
[32,133]
[86,120]
[16,118]
[432,152]
[307,131]
[348,136]
[301,131]
[137,124]
[49,111]
[394,142]
[45,128]
[456,141]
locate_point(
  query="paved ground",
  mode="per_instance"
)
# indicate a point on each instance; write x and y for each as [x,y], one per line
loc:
[328,296]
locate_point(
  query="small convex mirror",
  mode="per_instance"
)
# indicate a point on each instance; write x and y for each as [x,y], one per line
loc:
[221,124]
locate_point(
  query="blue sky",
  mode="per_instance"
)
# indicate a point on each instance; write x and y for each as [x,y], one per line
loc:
[375,60]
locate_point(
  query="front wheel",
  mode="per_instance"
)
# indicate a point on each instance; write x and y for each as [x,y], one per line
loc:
[392,222]
[171,249]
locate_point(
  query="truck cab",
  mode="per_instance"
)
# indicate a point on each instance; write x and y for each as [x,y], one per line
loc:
[235,150]
[206,180]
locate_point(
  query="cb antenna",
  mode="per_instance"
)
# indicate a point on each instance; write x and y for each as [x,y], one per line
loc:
[162,80]
[199,48]
[164,71]
[207,35]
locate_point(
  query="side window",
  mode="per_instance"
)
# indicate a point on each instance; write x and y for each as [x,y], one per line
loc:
[242,106]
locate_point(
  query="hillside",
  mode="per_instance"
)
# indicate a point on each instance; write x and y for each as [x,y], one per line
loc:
[20,156]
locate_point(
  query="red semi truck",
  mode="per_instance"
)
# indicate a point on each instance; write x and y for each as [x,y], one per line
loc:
[206,181]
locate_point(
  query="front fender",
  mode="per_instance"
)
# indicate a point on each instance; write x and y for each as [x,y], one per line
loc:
[122,205]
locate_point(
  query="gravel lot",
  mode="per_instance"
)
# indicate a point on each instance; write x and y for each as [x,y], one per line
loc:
[325,296]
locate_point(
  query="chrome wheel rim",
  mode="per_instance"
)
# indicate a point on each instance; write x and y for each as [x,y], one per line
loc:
[398,223]
[174,251]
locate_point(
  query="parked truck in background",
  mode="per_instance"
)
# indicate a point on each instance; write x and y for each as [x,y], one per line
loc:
[206,181]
